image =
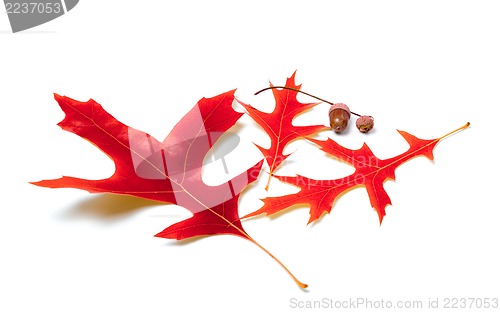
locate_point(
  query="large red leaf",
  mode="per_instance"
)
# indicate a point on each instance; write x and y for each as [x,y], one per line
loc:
[371,172]
[168,171]
[278,124]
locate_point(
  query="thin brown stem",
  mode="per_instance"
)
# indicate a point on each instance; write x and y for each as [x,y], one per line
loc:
[297,90]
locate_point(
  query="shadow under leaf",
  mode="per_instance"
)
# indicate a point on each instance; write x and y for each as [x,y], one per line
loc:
[109,207]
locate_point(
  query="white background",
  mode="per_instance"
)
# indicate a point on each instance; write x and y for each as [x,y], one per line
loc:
[426,67]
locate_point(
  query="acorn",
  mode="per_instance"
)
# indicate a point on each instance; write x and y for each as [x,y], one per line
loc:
[339,117]
[365,123]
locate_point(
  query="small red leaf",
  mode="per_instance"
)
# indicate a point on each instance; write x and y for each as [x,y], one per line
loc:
[278,124]
[370,172]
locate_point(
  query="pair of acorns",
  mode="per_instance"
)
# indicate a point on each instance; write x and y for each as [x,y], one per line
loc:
[339,113]
[339,118]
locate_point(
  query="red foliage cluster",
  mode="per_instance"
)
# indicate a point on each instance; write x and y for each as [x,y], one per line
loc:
[171,171]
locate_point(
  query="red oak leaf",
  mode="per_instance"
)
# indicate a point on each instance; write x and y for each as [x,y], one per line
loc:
[371,172]
[168,171]
[278,124]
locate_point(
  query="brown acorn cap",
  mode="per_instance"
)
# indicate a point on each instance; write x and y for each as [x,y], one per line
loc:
[340,106]
[365,123]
